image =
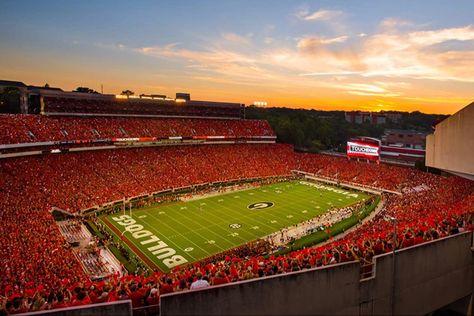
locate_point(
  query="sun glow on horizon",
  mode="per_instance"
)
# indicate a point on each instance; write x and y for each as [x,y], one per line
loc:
[336,57]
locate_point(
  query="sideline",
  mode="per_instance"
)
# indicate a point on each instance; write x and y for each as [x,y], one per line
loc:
[375,212]
[131,245]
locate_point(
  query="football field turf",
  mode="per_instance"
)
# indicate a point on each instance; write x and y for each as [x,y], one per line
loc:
[199,228]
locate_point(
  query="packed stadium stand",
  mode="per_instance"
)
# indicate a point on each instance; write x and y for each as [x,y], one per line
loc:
[58,105]
[383,176]
[77,181]
[36,128]
[38,270]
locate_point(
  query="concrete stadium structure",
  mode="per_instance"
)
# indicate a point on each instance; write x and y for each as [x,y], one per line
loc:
[451,146]
[416,281]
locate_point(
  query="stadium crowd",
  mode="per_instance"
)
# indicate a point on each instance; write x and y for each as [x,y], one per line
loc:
[38,271]
[132,106]
[38,128]
[81,180]
[362,173]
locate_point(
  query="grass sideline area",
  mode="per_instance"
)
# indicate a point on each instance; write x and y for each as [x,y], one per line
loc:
[199,228]
[336,229]
[128,264]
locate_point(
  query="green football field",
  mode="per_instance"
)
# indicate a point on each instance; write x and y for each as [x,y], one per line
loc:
[185,232]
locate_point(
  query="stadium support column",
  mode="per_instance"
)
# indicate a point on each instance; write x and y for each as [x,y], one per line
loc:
[394,263]
[393,220]
[41,100]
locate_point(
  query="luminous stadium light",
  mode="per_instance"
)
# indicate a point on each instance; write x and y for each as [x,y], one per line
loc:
[180,100]
[260,103]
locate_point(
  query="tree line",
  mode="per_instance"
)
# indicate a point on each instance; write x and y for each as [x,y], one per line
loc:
[315,130]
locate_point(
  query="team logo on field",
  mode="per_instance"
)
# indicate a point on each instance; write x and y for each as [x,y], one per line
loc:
[260,205]
[235,226]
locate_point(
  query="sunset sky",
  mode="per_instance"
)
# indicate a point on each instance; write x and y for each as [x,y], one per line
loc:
[341,55]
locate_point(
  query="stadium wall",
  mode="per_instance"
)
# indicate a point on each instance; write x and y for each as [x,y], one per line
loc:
[450,148]
[427,277]
[119,308]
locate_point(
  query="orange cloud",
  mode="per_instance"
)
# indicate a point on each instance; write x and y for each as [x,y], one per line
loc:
[388,67]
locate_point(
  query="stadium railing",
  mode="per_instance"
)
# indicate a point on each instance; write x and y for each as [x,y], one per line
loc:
[118,308]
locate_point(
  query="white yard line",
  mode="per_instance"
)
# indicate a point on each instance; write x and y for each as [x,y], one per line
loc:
[179,234]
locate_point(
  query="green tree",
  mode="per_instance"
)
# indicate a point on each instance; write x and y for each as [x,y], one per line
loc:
[85,90]
[314,130]
[127,92]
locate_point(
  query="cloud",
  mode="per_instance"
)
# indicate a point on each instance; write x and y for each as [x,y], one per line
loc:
[365,87]
[409,55]
[383,54]
[389,23]
[314,42]
[339,39]
[374,94]
[386,64]
[426,38]
[320,15]
[235,38]
[338,73]
[268,40]
[211,56]
[214,60]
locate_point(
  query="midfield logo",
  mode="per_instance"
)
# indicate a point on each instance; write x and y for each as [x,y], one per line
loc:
[260,205]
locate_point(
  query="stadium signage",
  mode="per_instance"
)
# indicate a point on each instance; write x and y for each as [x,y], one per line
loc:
[154,245]
[363,150]
[323,187]
[260,205]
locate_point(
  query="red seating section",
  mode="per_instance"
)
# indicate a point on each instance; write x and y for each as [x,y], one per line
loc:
[36,128]
[35,265]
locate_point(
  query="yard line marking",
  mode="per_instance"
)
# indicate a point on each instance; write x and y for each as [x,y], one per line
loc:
[191,231]
[207,228]
[177,246]
[216,224]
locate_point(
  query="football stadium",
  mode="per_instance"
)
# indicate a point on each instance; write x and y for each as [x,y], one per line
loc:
[119,207]
[203,203]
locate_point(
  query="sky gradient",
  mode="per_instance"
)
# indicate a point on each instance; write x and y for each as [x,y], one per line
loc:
[331,55]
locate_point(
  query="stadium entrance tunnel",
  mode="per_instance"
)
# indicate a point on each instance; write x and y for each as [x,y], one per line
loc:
[420,280]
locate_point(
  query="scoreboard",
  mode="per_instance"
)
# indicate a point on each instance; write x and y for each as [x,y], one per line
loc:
[361,149]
